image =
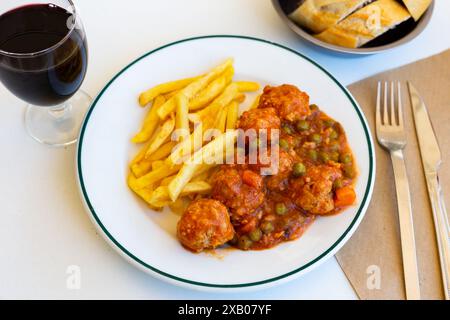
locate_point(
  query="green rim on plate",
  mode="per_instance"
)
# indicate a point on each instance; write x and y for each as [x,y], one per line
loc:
[212,285]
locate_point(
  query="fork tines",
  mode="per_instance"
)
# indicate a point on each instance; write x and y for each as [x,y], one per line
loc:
[391,116]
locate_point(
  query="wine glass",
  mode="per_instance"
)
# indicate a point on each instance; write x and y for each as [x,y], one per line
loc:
[43,61]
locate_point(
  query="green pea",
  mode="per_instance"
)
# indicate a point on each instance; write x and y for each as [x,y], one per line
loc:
[244,243]
[284,144]
[349,171]
[324,156]
[334,135]
[281,209]
[299,169]
[287,129]
[312,154]
[346,158]
[317,138]
[303,125]
[267,227]
[334,156]
[255,235]
[338,184]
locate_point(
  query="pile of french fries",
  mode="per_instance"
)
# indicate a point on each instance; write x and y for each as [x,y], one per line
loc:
[172,173]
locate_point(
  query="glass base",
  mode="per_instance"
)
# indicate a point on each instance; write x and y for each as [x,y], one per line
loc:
[58,126]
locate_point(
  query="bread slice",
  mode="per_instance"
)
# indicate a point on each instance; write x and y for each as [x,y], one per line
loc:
[318,15]
[366,24]
[417,7]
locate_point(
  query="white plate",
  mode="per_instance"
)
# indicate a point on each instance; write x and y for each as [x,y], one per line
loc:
[148,239]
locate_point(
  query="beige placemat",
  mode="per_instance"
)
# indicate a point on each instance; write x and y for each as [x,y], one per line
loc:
[372,258]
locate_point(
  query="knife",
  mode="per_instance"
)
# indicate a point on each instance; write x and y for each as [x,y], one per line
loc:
[431,160]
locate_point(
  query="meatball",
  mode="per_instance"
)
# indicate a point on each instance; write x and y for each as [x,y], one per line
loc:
[279,181]
[240,190]
[314,191]
[291,103]
[260,119]
[205,225]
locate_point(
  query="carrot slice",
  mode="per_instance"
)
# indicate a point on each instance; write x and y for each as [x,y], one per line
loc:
[345,196]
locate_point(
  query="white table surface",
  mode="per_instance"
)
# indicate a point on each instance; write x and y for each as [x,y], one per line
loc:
[44,228]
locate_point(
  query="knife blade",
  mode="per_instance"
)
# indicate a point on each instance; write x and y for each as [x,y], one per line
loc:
[432,159]
[429,146]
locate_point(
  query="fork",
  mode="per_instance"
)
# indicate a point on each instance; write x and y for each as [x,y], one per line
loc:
[392,137]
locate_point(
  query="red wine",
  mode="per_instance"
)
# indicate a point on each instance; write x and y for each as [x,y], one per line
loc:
[42,60]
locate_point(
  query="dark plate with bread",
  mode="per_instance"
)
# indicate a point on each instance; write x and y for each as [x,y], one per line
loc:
[356,26]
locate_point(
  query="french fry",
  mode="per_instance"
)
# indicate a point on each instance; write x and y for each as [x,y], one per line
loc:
[148,96]
[221,120]
[240,97]
[193,88]
[211,150]
[201,177]
[171,94]
[131,181]
[163,152]
[194,118]
[157,164]
[160,196]
[232,115]
[181,180]
[151,122]
[212,110]
[145,194]
[212,91]
[167,108]
[141,168]
[179,207]
[140,156]
[201,174]
[248,86]
[182,112]
[161,136]
[220,103]
[167,181]
[155,176]
[187,146]
[204,168]
[166,173]
[198,187]
[143,165]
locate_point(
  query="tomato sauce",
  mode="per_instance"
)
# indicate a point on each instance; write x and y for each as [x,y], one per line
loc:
[316,151]
[316,173]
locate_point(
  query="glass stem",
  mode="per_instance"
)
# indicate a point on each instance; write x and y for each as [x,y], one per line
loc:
[61,112]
